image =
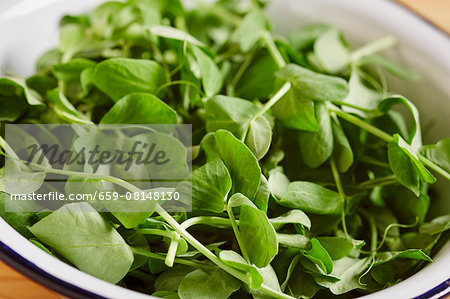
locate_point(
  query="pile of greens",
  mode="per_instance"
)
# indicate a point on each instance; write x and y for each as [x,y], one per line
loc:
[305,180]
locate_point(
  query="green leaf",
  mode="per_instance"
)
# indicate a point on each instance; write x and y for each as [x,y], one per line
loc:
[159,175]
[140,108]
[384,257]
[361,96]
[270,280]
[72,38]
[348,270]
[118,77]
[237,200]
[330,51]
[208,284]
[306,35]
[406,166]
[79,234]
[64,109]
[234,260]
[261,199]
[301,284]
[139,242]
[343,152]
[289,271]
[382,274]
[293,241]
[251,29]
[131,219]
[293,216]
[314,85]
[211,76]
[317,147]
[229,113]
[166,295]
[312,198]
[17,177]
[170,279]
[403,169]
[87,80]
[20,221]
[318,255]
[296,111]
[41,83]
[407,207]
[415,136]
[15,97]
[210,186]
[391,67]
[241,163]
[258,79]
[71,71]
[259,136]
[439,153]
[258,235]
[48,59]
[11,108]
[337,247]
[10,86]
[278,183]
[437,225]
[176,34]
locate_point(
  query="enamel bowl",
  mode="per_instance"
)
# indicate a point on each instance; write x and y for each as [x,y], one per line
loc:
[28,28]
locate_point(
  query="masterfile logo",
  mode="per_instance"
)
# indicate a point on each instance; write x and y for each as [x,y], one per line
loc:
[52,165]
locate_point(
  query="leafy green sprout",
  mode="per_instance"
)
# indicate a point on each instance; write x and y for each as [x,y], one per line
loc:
[251,96]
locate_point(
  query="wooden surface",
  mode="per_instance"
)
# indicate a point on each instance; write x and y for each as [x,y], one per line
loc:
[15,286]
[436,12]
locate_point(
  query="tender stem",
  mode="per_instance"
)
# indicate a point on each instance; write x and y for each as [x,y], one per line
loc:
[373,234]
[197,245]
[342,103]
[242,70]
[152,231]
[360,123]
[392,225]
[179,82]
[373,230]
[384,136]
[275,294]
[373,47]
[273,50]
[378,182]
[211,221]
[434,166]
[170,220]
[273,100]
[340,189]
[212,257]
[237,234]
[172,252]
[158,256]
[373,161]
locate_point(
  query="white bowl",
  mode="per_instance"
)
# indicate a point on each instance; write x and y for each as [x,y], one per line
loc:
[28,28]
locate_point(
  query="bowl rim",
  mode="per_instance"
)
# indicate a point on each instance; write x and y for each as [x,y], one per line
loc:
[31,264]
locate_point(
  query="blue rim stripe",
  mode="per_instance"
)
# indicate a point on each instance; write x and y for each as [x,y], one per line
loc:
[440,291]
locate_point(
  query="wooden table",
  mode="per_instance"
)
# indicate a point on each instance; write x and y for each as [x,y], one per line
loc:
[16,286]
